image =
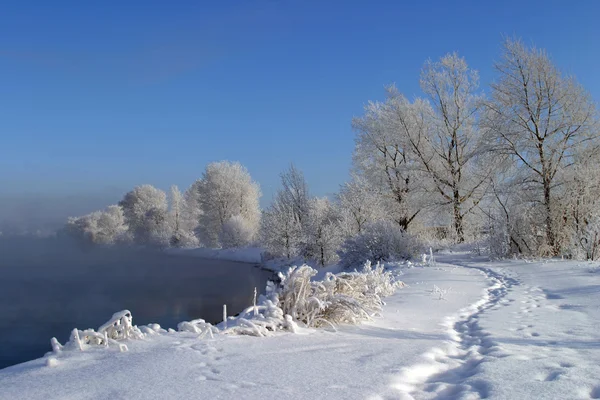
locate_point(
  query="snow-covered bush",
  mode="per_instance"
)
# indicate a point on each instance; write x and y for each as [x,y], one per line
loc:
[347,298]
[99,227]
[237,232]
[197,326]
[120,327]
[321,232]
[342,298]
[380,241]
[260,320]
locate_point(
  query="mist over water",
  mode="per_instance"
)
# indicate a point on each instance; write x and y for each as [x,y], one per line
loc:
[48,286]
[44,213]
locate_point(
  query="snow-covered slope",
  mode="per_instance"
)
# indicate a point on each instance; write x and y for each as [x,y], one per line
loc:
[466,329]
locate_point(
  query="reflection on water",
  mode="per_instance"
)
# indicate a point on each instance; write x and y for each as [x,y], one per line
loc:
[47,288]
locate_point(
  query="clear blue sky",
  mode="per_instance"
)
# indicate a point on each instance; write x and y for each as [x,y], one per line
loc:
[102,96]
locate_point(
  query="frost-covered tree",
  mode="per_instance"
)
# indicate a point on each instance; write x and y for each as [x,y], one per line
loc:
[451,147]
[509,215]
[294,192]
[281,232]
[99,227]
[224,191]
[580,207]
[237,232]
[359,204]
[111,226]
[321,232]
[146,213]
[383,158]
[281,227]
[182,223]
[542,120]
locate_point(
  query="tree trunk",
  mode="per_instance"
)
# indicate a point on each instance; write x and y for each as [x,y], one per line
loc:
[458,219]
[550,235]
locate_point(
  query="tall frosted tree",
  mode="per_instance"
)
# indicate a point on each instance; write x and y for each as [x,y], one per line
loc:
[181,222]
[450,148]
[294,192]
[146,213]
[281,226]
[359,204]
[383,158]
[321,234]
[542,120]
[280,231]
[226,190]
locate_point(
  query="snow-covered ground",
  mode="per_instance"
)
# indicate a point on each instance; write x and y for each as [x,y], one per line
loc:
[465,329]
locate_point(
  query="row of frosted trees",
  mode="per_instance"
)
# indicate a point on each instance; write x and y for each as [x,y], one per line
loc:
[518,165]
[220,209]
[517,168]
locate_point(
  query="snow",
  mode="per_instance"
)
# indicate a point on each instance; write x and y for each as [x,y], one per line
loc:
[245,254]
[466,328]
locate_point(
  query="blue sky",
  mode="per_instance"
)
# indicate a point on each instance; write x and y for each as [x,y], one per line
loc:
[97,97]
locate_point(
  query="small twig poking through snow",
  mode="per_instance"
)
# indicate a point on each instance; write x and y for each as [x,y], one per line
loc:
[441,292]
[56,346]
[254,303]
[76,339]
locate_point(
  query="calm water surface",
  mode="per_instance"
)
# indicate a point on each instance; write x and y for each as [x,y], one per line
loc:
[47,288]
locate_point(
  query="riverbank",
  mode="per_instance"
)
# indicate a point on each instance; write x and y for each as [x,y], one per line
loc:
[349,363]
[466,328]
[51,289]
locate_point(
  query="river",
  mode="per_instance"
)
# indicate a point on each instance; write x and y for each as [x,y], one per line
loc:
[48,288]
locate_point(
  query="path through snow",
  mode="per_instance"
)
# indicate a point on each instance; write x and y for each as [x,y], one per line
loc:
[505,345]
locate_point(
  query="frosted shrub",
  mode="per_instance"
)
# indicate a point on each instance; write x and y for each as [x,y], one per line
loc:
[197,326]
[260,320]
[342,298]
[237,232]
[586,239]
[380,241]
[299,301]
[119,327]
